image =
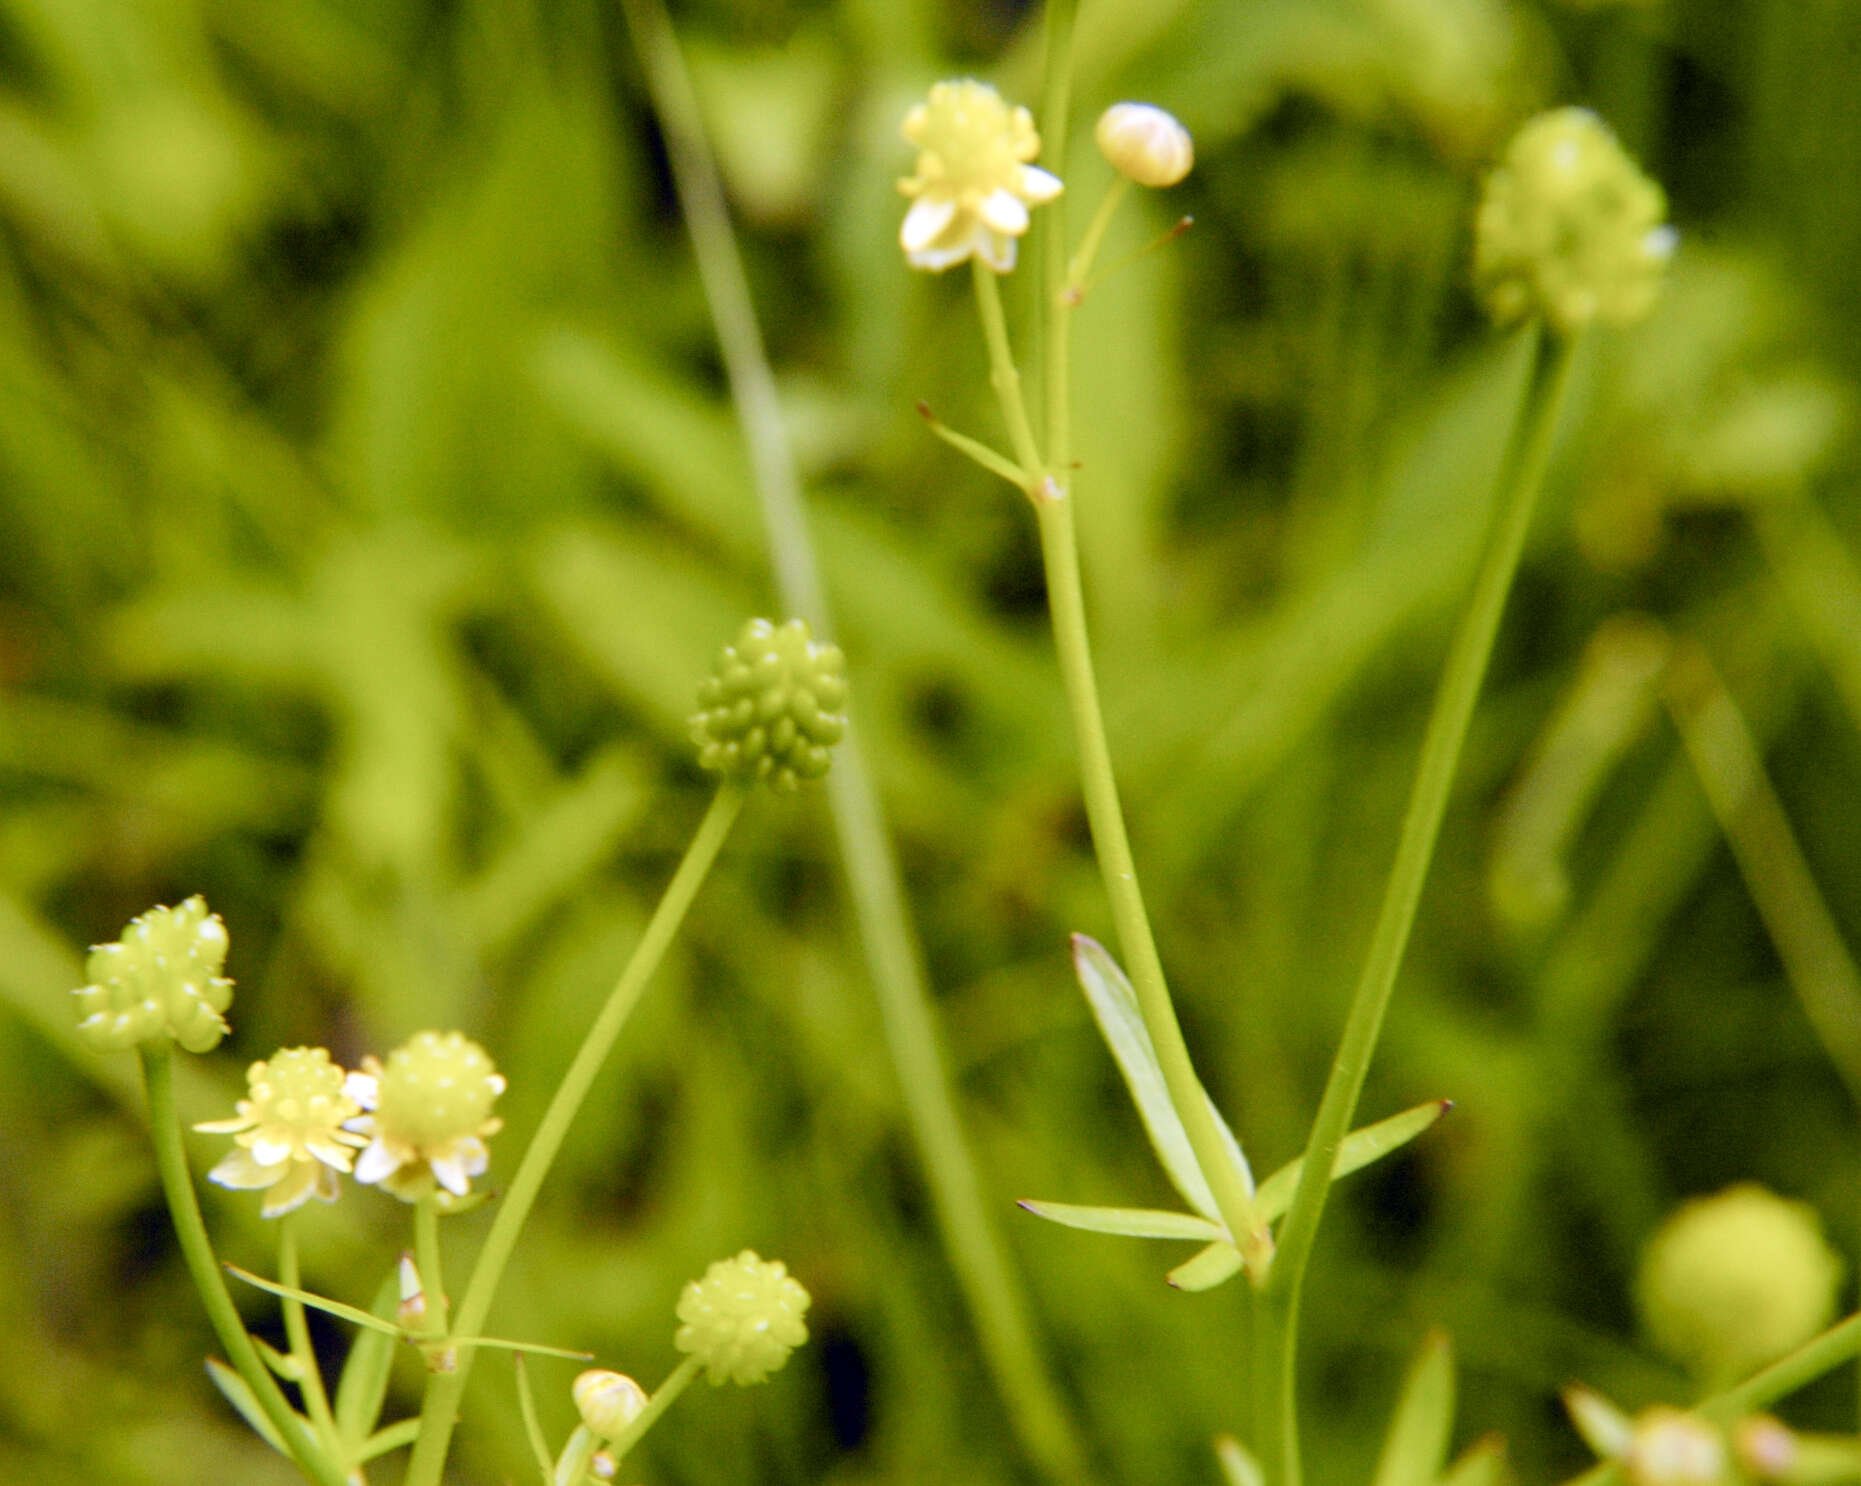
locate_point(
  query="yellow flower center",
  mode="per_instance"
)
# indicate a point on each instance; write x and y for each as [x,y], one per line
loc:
[298,1093]
[970,142]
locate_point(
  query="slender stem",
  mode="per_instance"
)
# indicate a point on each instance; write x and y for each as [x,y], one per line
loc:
[662,1399]
[1055,319]
[575,1456]
[432,1278]
[1079,267]
[1731,772]
[297,1332]
[1521,476]
[440,1409]
[991,1291]
[1066,600]
[1004,375]
[204,1269]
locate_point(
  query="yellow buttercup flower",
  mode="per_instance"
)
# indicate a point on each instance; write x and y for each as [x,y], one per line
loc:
[973,185]
[429,1111]
[288,1136]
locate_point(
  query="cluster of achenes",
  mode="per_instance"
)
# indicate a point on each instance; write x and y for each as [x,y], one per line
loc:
[1569,229]
[771,709]
[160,980]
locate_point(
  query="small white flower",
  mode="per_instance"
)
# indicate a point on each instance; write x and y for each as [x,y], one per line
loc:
[973,185]
[289,1137]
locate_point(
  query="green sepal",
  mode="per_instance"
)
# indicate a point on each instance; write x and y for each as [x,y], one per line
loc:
[1356,1151]
[234,1390]
[1483,1463]
[1416,1446]
[1214,1265]
[1126,1222]
[532,1423]
[1238,1467]
[1605,1428]
[363,1387]
[401,1433]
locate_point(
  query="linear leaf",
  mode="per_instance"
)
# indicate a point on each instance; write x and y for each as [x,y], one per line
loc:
[1416,1445]
[1214,1265]
[1114,1007]
[234,1389]
[1357,1150]
[1127,1222]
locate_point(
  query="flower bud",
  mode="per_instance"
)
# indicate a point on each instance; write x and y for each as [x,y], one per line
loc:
[1145,144]
[743,1318]
[1766,1447]
[1731,1282]
[1569,228]
[607,1401]
[771,708]
[160,979]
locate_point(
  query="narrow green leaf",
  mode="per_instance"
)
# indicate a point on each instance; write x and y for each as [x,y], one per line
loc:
[233,1388]
[501,1344]
[1114,1006]
[317,1302]
[1128,1222]
[1416,1445]
[364,1383]
[532,1425]
[1219,1262]
[1483,1463]
[396,1436]
[1358,1150]
[281,1363]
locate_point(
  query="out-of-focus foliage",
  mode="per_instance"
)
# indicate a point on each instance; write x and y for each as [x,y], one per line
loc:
[369,509]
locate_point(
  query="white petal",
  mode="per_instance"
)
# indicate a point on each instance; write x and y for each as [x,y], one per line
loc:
[240,1172]
[375,1163]
[1004,212]
[330,1153]
[293,1192]
[925,222]
[997,250]
[270,1152]
[226,1127]
[363,1088]
[451,1172]
[1039,185]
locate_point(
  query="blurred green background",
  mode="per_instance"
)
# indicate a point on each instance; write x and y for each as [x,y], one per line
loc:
[370,504]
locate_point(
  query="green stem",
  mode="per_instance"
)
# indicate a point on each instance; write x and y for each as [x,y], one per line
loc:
[297,1332]
[440,1409]
[1521,476]
[1004,375]
[1056,312]
[991,1292]
[661,1400]
[1066,600]
[204,1269]
[1079,267]
[572,1464]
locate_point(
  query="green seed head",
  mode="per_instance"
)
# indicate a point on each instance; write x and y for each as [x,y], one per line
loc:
[743,1318]
[436,1088]
[1734,1281]
[160,979]
[771,709]
[1569,228]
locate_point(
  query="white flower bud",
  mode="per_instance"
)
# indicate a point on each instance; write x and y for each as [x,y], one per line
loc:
[1145,144]
[607,1401]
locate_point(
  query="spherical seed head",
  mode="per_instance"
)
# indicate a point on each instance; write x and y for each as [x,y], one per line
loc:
[160,979]
[1731,1282]
[772,708]
[607,1401]
[743,1318]
[1145,144]
[1671,1448]
[1569,228]
[429,1112]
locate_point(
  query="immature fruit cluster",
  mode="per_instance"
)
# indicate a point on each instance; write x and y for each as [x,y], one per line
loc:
[1569,228]
[743,1318]
[161,979]
[771,710]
